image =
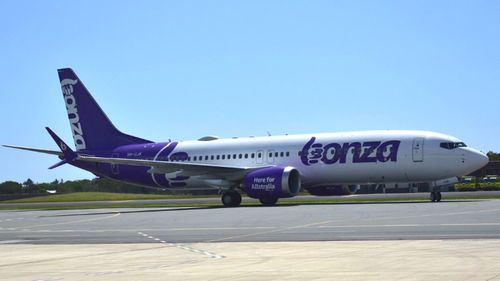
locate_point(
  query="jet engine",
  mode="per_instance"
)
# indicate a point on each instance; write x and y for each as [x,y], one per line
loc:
[272,182]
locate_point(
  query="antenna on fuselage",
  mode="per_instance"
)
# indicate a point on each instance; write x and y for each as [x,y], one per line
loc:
[268,133]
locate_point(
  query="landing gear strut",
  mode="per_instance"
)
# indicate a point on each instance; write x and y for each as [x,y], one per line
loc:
[435,196]
[231,198]
[268,201]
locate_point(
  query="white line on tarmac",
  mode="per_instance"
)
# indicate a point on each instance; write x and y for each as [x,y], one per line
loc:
[183,247]
[408,225]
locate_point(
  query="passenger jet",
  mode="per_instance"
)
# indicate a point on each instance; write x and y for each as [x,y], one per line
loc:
[265,168]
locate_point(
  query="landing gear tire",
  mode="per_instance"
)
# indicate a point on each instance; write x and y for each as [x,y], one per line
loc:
[435,196]
[231,198]
[268,201]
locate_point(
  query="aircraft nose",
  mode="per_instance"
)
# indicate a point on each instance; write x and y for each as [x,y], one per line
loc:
[478,159]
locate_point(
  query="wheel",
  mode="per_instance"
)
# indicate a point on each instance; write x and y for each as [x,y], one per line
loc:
[438,196]
[433,196]
[231,198]
[268,201]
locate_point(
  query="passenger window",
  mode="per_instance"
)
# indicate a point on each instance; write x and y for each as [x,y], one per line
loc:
[259,155]
[246,155]
[270,154]
[276,154]
[282,154]
[206,157]
[218,157]
[194,158]
[253,155]
[240,156]
[287,153]
[229,156]
[223,156]
[234,156]
[211,157]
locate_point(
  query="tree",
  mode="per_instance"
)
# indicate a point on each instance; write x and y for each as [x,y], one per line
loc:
[28,186]
[493,155]
[10,187]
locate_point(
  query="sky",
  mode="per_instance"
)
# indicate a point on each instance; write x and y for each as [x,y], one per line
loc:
[181,70]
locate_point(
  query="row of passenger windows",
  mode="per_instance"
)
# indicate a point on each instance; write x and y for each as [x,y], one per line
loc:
[229,156]
[357,150]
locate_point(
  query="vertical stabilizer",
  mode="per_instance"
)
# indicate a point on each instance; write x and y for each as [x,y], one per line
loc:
[91,128]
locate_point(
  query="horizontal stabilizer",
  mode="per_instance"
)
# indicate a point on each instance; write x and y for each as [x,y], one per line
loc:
[41,150]
[60,163]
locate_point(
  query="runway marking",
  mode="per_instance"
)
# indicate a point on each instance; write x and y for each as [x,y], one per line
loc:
[270,231]
[436,236]
[10,219]
[78,221]
[408,225]
[321,225]
[438,214]
[12,241]
[183,247]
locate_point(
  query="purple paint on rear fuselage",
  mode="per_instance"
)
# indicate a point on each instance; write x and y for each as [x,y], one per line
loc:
[135,174]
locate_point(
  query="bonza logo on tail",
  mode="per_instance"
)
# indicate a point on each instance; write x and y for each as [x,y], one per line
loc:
[366,152]
[74,118]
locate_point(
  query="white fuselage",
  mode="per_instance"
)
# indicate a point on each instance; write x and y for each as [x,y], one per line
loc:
[418,157]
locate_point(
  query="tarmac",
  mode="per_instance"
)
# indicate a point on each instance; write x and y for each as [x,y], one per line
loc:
[455,240]
[372,196]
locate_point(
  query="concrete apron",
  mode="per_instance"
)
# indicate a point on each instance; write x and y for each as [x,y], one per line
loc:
[345,260]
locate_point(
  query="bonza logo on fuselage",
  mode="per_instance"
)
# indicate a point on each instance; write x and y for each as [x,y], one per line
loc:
[74,118]
[366,152]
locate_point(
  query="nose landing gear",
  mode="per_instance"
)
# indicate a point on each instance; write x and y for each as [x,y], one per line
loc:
[435,196]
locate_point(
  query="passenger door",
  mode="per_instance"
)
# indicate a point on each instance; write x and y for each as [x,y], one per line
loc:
[418,150]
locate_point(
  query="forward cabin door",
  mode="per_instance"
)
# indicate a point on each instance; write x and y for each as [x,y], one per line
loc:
[418,150]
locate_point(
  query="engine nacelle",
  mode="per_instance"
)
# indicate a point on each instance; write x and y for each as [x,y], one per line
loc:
[333,190]
[272,182]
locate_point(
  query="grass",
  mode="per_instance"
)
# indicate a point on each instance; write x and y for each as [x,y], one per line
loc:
[97,196]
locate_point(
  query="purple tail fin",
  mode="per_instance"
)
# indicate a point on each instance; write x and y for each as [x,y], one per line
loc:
[90,126]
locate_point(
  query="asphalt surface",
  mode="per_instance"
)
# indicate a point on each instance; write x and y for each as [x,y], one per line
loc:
[395,196]
[326,222]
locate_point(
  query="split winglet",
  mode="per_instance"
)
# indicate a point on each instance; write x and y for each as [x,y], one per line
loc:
[69,154]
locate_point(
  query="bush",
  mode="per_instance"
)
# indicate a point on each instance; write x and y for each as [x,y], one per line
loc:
[489,186]
[485,186]
[465,187]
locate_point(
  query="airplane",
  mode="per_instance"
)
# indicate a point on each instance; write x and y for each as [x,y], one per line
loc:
[265,168]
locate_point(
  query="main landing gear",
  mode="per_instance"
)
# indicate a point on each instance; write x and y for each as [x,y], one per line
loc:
[231,198]
[435,196]
[268,201]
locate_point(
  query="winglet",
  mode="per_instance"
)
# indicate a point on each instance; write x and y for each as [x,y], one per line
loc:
[69,155]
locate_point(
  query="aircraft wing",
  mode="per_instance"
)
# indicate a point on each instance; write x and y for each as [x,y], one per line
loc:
[156,167]
[185,169]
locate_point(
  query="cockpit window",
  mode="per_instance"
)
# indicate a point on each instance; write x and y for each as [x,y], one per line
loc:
[452,145]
